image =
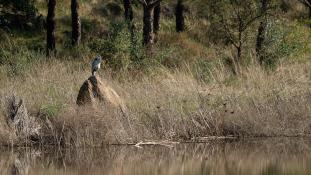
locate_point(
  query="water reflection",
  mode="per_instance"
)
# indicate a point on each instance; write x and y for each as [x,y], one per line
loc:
[256,156]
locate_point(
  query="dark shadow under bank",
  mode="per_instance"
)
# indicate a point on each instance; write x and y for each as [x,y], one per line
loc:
[234,156]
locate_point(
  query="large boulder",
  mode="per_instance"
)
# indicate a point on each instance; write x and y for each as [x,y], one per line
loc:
[95,92]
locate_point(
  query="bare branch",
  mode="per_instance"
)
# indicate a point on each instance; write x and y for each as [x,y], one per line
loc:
[228,32]
[143,2]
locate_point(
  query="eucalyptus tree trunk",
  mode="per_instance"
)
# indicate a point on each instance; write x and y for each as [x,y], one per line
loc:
[128,16]
[148,20]
[156,18]
[128,11]
[179,13]
[50,38]
[76,24]
[261,32]
[148,35]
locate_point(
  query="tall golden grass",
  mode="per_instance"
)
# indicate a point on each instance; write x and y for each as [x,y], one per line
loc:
[165,104]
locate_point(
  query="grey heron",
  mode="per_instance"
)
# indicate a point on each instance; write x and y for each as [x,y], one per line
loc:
[96,64]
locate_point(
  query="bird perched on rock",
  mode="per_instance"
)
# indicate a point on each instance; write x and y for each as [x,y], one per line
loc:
[96,64]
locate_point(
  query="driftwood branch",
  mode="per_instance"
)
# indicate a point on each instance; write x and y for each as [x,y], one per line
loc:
[161,143]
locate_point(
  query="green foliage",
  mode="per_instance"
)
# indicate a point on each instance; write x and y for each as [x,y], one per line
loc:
[51,109]
[167,58]
[24,6]
[19,14]
[112,9]
[232,18]
[90,26]
[212,25]
[17,58]
[203,70]
[282,41]
[20,61]
[121,49]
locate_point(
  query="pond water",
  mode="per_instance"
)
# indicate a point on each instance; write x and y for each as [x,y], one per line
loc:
[253,156]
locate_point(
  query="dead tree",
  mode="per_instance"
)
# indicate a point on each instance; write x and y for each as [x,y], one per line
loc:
[148,33]
[261,31]
[50,39]
[76,24]
[179,15]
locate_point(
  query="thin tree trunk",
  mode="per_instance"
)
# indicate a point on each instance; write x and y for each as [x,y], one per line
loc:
[128,11]
[128,16]
[240,42]
[76,24]
[237,61]
[50,39]
[261,32]
[239,47]
[309,13]
[156,18]
[179,13]
[260,40]
[148,35]
[239,50]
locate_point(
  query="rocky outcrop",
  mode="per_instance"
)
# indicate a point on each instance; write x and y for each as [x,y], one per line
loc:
[96,92]
[23,125]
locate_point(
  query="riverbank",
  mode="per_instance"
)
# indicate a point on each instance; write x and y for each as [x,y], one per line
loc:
[165,104]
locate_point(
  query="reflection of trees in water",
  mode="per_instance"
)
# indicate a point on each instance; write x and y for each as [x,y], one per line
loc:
[19,167]
[264,156]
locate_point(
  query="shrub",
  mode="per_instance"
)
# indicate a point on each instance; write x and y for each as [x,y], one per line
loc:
[17,59]
[121,49]
[50,109]
[203,70]
[25,16]
[282,41]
